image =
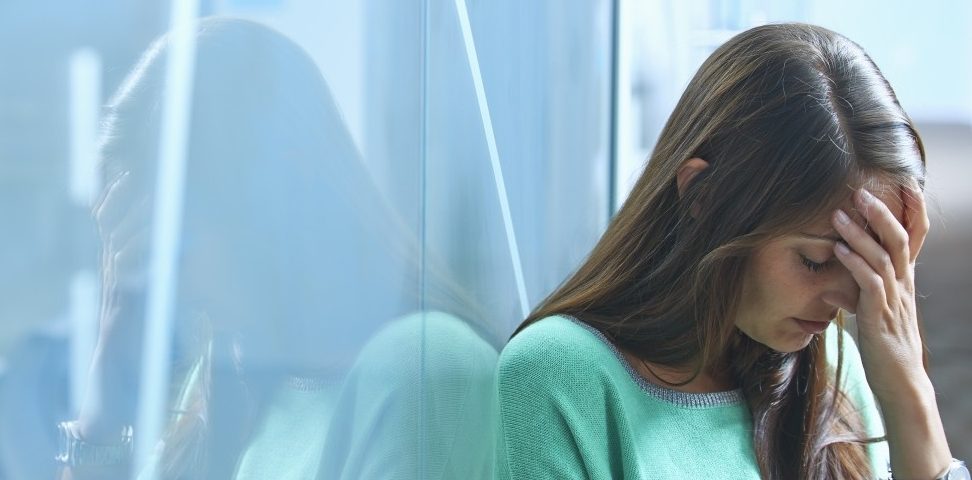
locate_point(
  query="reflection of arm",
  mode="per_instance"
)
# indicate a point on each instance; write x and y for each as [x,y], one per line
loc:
[108,407]
[98,428]
[111,393]
[547,400]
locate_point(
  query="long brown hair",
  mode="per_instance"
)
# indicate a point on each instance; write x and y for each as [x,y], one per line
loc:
[791,118]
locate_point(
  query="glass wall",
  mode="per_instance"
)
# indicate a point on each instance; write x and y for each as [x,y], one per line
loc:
[286,239]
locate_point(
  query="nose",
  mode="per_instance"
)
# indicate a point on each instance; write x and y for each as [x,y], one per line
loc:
[840,285]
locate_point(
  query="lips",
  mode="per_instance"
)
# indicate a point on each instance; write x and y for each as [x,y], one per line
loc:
[812,327]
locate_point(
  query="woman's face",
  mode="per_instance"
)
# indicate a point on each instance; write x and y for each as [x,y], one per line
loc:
[782,304]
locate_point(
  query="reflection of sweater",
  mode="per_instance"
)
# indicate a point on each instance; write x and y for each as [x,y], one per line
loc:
[572,407]
[417,404]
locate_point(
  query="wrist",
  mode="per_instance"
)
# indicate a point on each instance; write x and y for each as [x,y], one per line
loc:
[956,471]
[910,392]
[76,450]
[110,399]
[915,434]
[99,429]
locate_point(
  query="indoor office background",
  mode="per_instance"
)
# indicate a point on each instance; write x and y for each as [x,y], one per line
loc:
[431,171]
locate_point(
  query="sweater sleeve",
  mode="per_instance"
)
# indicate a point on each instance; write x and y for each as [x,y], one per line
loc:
[545,388]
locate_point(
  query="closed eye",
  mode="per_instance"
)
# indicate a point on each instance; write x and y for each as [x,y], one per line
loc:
[815,267]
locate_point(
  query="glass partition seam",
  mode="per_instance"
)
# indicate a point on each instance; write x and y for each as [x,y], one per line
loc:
[614,107]
[166,226]
[487,124]
[423,225]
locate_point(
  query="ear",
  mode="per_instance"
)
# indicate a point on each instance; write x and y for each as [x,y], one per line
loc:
[687,171]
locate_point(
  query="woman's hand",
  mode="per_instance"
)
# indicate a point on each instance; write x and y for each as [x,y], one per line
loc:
[123,217]
[883,265]
[884,268]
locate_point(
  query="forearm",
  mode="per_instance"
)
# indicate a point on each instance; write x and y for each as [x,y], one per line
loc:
[916,437]
[110,397]
[104,419]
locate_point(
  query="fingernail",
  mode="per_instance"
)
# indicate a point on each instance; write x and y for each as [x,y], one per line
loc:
[841,249]
[841,217]
[865,196]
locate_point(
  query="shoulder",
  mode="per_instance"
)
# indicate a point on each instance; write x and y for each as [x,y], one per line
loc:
[556,354]
[552,380]
[428,344]
[556,332]
[554,341]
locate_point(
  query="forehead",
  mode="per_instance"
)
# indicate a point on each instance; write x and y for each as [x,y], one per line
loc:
[887,193]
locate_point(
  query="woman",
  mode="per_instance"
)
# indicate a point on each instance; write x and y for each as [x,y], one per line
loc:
[703,337]
[294,281]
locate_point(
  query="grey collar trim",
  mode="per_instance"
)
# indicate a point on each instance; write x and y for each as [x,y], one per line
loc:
[307,384]
[312,381]
[675,397]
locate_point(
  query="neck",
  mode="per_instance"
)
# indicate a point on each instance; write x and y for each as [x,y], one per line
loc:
[679,378]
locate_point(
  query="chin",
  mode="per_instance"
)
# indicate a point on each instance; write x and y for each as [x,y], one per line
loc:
[790,344]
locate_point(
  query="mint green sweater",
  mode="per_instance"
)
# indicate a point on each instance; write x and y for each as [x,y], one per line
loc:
[572,407]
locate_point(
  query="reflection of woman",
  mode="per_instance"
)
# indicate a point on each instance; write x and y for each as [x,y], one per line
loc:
[289,262]
[698,340]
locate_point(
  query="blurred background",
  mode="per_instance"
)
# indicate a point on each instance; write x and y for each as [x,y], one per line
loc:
[475,150]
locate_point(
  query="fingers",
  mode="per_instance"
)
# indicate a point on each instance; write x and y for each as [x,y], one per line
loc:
[873,294]
[134,220]
[876,260]
[890,231]
[111,207]
[124,216]
[915,219]
[130,261]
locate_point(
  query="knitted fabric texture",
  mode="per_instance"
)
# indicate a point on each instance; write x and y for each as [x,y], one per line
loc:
[572,407]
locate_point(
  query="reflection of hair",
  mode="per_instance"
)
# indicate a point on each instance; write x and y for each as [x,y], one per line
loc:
[790,118]
[271,172]
[274,175]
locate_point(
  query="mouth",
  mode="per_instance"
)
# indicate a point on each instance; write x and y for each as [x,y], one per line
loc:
[812,327]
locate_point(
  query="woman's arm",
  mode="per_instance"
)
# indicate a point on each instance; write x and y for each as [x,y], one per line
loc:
[108,407]
[889,339]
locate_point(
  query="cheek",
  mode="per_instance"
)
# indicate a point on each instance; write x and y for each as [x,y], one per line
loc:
[784,282]
[786,295]
[781,290]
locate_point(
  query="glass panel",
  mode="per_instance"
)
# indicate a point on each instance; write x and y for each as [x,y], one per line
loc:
[542,149]
[302,260]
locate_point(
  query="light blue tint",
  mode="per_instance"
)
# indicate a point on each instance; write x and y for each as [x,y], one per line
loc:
[166,232]
[287,239]
[304,262]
